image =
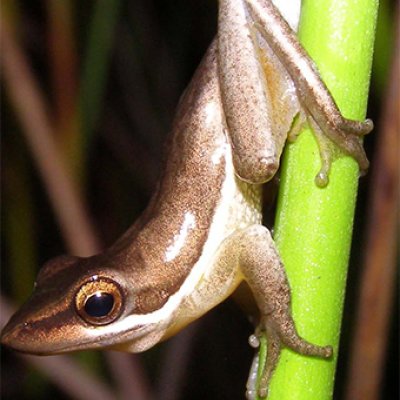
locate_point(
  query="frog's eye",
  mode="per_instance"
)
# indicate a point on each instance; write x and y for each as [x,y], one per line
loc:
[99,301]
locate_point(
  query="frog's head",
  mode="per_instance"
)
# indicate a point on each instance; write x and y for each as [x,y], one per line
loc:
[77,303]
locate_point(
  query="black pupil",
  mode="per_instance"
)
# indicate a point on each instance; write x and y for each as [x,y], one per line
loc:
[99,305]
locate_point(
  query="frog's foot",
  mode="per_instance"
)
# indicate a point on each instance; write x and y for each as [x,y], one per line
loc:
[346,135]
[278,337]
[340,134]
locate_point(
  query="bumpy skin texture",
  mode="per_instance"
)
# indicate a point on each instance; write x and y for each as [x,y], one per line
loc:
[201,234]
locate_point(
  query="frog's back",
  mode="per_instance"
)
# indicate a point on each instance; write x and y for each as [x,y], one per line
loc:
[199,201]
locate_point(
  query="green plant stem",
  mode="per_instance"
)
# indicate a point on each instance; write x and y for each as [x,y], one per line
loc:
[313,225]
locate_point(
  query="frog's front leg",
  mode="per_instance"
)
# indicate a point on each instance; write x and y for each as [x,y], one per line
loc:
[260,264]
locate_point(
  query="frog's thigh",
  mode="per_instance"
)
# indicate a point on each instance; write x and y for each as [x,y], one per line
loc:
[245,96]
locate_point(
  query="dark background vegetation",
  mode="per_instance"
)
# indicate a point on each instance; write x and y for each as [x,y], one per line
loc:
[125,65]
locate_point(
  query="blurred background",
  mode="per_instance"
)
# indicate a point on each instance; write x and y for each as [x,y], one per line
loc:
[89,90]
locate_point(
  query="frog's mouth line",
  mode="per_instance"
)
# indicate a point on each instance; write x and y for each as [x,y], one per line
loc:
[15,338]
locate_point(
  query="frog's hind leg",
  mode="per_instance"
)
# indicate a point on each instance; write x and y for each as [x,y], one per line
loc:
[313,95]
[259,99]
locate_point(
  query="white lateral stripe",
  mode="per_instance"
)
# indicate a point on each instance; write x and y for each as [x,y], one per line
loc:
[217,234]
[189,222]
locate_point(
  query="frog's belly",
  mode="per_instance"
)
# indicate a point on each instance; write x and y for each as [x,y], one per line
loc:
[212,280]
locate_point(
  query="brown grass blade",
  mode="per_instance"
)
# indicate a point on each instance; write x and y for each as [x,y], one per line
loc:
[76,227]
[32,112]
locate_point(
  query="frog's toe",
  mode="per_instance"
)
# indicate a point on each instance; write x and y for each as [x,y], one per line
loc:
[274,342]
[277,336]
[343,137]
[355,128]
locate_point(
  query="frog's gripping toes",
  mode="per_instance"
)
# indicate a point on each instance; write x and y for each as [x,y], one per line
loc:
[261,266]
[274,344]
